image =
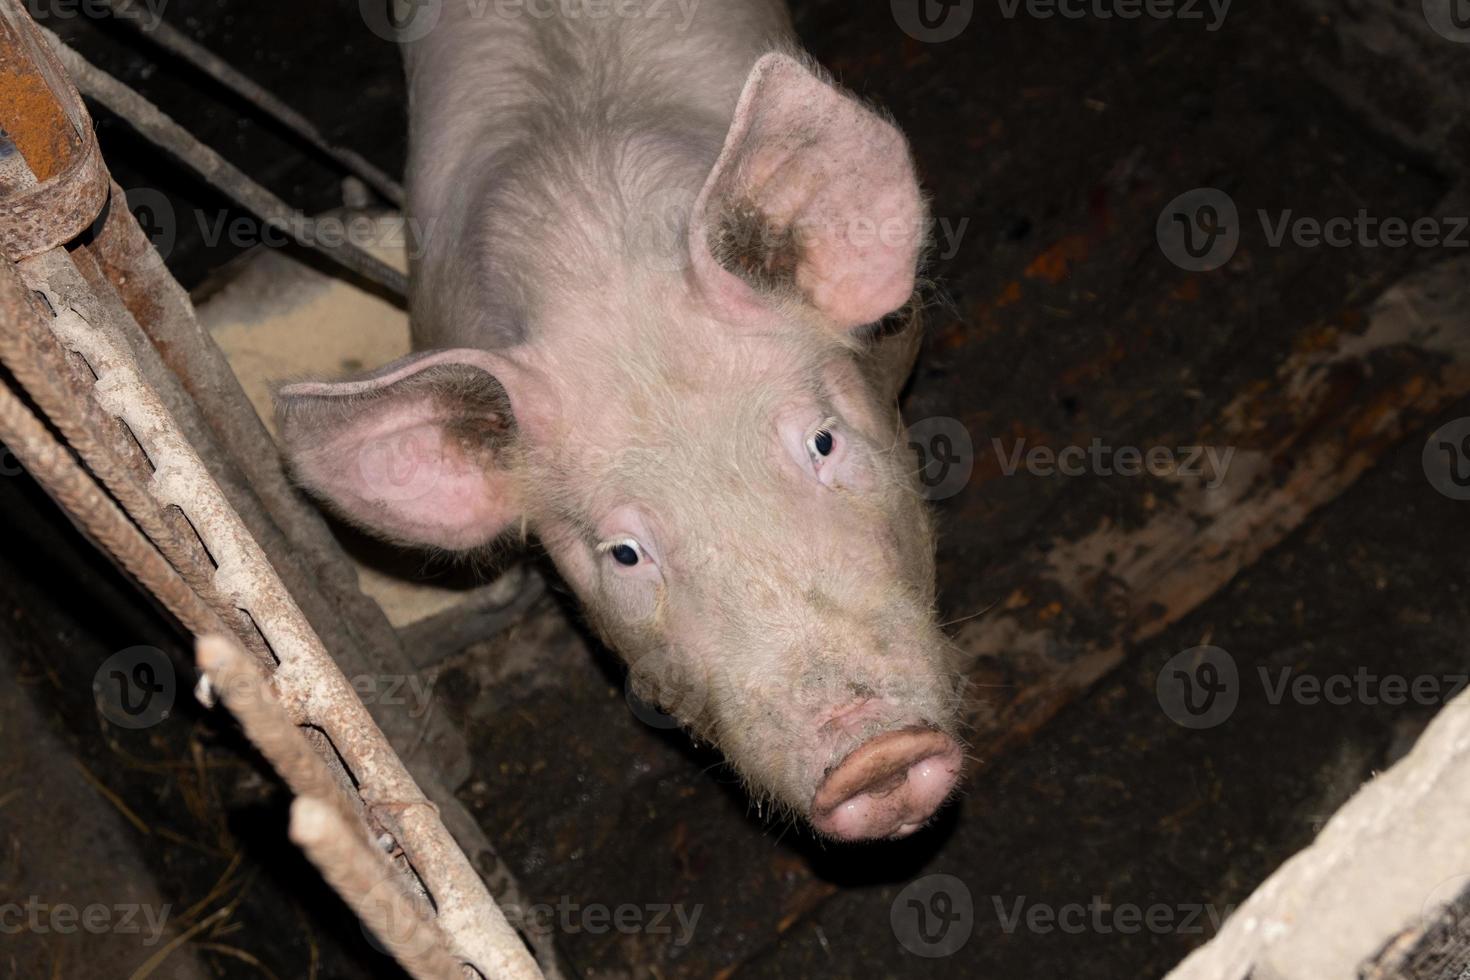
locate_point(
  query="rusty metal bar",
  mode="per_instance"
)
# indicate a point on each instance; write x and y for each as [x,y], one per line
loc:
[315,690]
[186,368]
[78,308]
[52,178]
[323,822]
[318,574]
[216,414]
[222,175]
[200,389]
[58,472]
[359,875]
[173,349]
[34,357]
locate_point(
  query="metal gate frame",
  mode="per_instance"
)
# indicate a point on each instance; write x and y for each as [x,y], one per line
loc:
[166,468]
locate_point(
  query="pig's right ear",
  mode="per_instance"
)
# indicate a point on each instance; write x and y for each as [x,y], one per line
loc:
[420,452]
[814,192]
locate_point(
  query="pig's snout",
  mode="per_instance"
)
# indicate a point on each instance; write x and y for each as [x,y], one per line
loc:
[888,786]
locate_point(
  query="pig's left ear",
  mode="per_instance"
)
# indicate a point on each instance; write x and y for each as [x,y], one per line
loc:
[420,452]
[813,191]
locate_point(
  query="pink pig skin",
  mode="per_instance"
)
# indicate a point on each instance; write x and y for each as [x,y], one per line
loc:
[652,248]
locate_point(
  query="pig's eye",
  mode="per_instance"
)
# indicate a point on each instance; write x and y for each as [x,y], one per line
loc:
[821,443]
[626,552]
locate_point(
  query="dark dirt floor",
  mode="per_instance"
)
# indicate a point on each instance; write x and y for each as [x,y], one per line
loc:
[1058,142]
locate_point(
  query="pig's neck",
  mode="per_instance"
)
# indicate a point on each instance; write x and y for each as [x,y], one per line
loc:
[546,225]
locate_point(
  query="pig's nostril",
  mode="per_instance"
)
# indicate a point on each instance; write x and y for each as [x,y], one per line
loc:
[888,786]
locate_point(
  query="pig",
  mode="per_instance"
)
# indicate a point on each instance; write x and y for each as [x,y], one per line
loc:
[662,305]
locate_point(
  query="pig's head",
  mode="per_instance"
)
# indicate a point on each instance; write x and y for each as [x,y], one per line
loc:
[714,460]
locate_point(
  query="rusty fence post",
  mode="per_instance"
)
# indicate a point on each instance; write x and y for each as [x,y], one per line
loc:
[145,471]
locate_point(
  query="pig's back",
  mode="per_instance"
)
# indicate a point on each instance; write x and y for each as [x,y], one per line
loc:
[503,104]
